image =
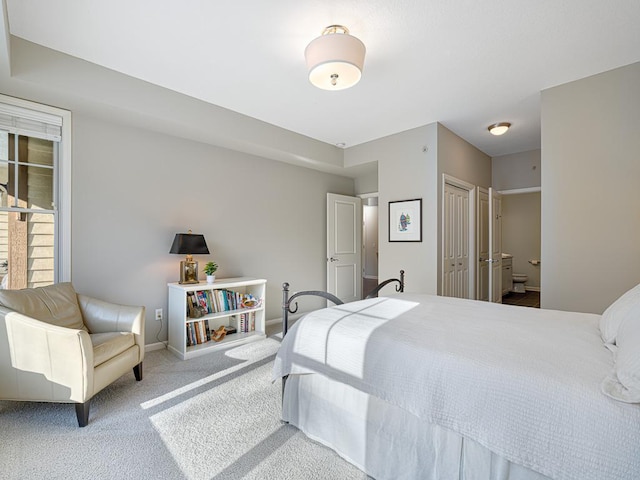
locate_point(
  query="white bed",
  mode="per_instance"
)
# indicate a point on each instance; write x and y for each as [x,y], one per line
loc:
[419,386]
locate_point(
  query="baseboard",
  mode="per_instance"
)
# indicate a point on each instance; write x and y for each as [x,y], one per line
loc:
[531,289]
[155,346]
[292,318]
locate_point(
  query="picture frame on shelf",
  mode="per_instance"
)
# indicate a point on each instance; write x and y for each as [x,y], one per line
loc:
[405,220]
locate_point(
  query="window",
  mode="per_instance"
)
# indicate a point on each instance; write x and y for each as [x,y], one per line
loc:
[34,194]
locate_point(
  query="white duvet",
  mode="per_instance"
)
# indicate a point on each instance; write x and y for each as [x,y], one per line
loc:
[523,382]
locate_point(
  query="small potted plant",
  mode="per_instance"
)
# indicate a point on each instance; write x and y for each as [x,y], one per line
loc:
[210,269]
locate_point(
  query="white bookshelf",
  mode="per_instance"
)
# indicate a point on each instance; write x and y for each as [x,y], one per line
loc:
[179,316]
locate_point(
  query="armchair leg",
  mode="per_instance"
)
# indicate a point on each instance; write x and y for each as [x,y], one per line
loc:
[82,412]
[137,371]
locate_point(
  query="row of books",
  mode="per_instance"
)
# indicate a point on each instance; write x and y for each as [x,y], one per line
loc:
[247,322]
[201,331]
[198,332]
[203,302]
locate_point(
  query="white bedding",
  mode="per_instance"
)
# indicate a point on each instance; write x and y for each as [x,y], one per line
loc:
[524,383]
[386,441]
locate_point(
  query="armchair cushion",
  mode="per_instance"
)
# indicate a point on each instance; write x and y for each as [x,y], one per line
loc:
[55,304]
[108,345]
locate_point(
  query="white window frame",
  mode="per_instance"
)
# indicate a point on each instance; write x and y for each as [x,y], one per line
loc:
[63,221]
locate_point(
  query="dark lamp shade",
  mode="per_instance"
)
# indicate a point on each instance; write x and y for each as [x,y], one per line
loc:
[189,244]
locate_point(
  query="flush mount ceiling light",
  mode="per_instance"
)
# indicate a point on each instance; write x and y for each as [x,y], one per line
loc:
[499,128]
[335,59]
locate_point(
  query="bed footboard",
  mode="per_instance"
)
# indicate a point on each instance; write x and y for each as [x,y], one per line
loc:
[288,301]
[399,288]
[289,306]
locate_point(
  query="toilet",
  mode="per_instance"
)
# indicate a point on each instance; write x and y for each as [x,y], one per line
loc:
[519,280]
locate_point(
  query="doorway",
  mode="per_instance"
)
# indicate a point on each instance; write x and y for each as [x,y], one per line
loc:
[352,245]
[344,247]
[521,238]
[489,271]
[369,242]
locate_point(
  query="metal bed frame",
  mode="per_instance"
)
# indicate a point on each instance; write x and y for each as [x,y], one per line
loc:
[288,301]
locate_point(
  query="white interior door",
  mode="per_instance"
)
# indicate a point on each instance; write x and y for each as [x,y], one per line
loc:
[482,244]
[455,266]
[495,241]
[344,247]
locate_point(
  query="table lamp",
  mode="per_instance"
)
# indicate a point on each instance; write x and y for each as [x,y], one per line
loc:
[189,244]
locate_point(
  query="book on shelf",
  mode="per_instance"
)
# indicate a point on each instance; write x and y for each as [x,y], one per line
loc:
[196,332]
[190,335]
[246,322]
[207,330]
[194,308]
[203,302]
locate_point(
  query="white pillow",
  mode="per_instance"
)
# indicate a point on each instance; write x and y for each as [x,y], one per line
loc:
[616,313]
[624,382]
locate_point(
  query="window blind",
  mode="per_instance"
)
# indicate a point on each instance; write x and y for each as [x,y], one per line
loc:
[30,123]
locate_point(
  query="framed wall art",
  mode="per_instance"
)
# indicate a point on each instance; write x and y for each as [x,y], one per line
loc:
[405,220]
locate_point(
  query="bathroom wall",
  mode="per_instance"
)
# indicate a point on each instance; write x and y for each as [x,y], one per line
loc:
[521,233]
[515,171]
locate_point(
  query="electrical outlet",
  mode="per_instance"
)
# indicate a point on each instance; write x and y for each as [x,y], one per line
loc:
[158,314]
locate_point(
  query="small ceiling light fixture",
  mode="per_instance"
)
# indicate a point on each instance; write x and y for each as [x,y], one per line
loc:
[499,128]
[335,59]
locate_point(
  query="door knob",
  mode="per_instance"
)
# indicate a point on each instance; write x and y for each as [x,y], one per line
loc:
[332,259]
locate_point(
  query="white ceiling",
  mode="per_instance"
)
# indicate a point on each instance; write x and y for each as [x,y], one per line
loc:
[464,63]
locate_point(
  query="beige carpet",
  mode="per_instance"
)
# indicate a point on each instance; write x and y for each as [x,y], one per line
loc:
[213,417]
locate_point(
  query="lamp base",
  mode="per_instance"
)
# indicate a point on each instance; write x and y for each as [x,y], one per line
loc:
[188,272]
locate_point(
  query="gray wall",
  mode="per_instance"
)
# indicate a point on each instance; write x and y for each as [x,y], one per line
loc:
[459,159]
[410,165]
[515,171]
[521,233]
[367,183]
[145,168]
[134,189]
[590,194]
[406,171]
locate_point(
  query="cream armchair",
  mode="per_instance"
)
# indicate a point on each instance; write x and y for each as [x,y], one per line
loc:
[59,346]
